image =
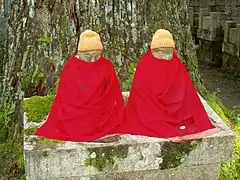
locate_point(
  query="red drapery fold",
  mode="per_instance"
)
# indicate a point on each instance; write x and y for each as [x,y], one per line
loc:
[88,104]
[163,101]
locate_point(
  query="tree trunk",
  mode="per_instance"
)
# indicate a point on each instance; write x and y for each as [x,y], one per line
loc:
[42,29]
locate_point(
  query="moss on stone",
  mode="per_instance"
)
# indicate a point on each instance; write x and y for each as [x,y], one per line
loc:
[42,143]
[37,107]
[30,131]
[172,153]
[219,108]
[48,142]
[101,157]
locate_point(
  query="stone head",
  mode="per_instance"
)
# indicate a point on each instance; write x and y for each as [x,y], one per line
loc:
[90,46]
[162,45]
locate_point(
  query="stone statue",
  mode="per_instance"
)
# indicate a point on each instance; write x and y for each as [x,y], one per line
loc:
[85,50]
[162,45]
[163,53]
[163,101]
[89,56]
[88,105]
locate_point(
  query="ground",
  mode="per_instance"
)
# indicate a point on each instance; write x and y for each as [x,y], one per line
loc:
[226,87]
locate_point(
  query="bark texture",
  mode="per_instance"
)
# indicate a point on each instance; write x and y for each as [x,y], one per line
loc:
[41,31]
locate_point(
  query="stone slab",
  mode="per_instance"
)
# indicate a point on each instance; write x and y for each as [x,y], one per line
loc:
[130,157]
[227,26]
[209,35]
[233,35]
[231,49]
[207,23]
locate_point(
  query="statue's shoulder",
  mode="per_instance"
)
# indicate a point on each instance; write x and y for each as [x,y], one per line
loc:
[107,61]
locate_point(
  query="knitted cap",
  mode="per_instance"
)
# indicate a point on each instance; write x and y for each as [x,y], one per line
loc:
[89,40]
[162,39]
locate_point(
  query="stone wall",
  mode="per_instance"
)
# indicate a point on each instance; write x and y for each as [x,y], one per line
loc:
[227,9]
[231,46]
[214,25]
[208,19]
[126,157]
[210,35]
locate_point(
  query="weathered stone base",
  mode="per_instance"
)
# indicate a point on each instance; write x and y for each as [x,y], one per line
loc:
[128,157]
[203,172]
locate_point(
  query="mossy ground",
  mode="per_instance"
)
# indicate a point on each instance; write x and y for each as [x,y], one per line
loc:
[37,107]
[105,156]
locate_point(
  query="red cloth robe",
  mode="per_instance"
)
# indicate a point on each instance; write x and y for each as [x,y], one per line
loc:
[88,104]
[163,101]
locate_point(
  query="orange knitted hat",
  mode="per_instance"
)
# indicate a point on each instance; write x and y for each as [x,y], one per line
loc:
[162,39]
[89,40]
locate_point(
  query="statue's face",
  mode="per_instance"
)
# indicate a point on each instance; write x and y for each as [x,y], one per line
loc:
[89,56]
[163,53]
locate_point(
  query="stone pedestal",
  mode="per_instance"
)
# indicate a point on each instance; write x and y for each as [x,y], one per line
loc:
[129,157]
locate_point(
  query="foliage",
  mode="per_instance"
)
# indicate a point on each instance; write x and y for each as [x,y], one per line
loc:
[6,114]
[235,115]
[128,82]
[45,40]
[11,160]
[231,171]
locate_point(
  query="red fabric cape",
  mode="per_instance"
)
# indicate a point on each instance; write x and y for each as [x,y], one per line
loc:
[163,101]
[88,104]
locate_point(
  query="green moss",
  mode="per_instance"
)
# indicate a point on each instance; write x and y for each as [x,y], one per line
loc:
[48,142]
[45,40]
[172,153]
[37,107]
[30,131]
[105,156]
[42,143]
[219,108]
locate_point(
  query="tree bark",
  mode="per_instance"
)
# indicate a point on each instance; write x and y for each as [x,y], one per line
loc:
[40,30]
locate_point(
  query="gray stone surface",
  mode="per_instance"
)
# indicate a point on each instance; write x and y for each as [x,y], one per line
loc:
[203,172]
[227,26]
[131,157]
[231,47]
[218,23]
